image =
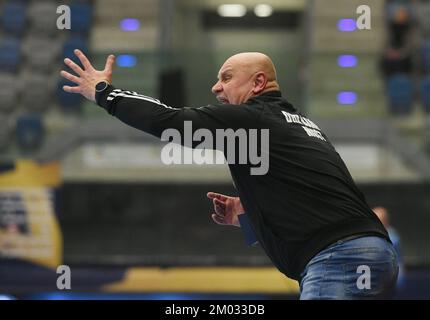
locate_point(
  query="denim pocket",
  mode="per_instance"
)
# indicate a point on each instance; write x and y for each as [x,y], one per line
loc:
[369,279]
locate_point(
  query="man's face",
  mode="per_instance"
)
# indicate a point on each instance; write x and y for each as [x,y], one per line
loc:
[234,84]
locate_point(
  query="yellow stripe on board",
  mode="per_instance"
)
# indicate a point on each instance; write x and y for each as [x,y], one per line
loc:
[205,280]
[30,174]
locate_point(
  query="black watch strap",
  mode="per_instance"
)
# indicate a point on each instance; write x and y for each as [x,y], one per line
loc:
[100,89]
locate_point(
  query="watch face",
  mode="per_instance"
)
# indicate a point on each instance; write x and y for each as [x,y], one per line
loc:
[101,86]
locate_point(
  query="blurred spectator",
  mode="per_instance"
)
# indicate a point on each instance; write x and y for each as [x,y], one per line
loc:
[395,61]
[400,94]
[399,24]
[382,214]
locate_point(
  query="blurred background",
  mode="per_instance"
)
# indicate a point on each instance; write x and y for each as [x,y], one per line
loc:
[79,188]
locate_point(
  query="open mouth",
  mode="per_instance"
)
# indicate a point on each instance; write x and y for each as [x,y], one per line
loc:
[222,100]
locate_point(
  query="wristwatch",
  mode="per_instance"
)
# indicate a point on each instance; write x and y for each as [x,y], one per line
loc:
[102,86]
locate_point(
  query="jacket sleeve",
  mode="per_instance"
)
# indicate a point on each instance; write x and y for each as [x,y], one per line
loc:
[152,116]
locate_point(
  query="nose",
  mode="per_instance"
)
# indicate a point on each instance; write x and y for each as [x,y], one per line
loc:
[217,88]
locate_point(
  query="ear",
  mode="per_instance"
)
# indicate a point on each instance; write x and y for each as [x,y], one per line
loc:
[260,82]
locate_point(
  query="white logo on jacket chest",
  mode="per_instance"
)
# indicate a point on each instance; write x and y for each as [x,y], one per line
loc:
[310,128]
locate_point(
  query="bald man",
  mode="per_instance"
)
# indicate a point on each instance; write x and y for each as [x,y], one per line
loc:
[254,74]
[304,209]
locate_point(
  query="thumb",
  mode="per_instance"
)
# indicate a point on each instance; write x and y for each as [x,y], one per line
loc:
[109,63]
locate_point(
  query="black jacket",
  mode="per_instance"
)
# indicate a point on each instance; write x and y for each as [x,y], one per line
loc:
[306,201]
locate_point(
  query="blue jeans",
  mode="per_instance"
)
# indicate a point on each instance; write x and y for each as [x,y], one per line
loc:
[361,268]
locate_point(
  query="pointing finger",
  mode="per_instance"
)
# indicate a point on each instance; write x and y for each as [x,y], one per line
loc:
[212,195]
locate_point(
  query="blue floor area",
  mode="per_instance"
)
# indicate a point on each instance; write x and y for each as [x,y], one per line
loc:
[22,280]
[130,296]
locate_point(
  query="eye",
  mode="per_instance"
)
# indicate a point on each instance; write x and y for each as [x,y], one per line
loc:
[226,78]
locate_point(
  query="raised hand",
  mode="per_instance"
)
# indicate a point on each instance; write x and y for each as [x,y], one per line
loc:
[87,78]
[226,209]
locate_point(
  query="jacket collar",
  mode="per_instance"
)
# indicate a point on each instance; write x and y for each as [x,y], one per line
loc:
[268,96]
[274,93]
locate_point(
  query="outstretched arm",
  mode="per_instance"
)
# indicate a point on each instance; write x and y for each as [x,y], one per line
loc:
[149,114]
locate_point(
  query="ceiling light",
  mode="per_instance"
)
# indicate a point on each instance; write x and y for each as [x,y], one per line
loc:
[263,10]
[232,10]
